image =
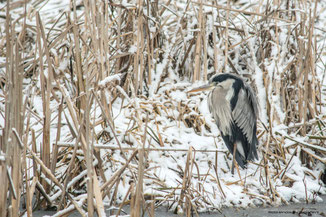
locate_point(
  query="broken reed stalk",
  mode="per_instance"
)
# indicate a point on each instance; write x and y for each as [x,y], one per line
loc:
[18,123]
[29,197]
[5,148]
[55,145]
[11,168]
[139,195]
[138,35]
[46,87]
[197,67]
[85,98]
[205,44]
[226,42]
[185,203]
[67,144]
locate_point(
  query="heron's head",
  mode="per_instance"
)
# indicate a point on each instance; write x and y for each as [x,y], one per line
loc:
[224,81]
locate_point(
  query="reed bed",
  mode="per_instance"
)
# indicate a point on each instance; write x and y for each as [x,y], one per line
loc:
[94,113]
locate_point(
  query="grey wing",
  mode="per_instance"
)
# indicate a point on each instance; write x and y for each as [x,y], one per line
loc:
[245,113]
[253,100]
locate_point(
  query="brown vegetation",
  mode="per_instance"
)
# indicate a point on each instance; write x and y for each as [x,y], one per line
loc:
[67,59]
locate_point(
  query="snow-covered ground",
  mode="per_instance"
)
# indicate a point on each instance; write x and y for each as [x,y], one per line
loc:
[179,128]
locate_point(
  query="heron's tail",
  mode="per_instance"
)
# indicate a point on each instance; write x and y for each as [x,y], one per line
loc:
[253,149]
[240,160]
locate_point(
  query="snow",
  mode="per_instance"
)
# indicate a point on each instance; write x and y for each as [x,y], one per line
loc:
[183,122]
[109,79]
[178,136]
[132,49]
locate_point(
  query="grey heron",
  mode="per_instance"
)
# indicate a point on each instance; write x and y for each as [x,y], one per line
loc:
[233,105]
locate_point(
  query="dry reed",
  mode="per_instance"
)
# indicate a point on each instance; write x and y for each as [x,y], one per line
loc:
[98,52]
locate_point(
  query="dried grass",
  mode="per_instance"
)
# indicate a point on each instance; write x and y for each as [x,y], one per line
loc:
[97,39]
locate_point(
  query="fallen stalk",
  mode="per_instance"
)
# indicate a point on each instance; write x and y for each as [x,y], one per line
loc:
[68,145]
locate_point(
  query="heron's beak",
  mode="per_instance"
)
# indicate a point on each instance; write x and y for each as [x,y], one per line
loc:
[202,88]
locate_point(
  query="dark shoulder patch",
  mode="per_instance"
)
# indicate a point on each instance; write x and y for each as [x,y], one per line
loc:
[237,85]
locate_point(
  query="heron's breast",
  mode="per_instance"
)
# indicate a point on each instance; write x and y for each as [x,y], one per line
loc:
[220,109]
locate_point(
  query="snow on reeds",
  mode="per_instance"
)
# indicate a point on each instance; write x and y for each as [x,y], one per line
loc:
[94,111]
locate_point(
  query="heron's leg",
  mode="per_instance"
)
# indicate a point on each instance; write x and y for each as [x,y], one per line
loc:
[233,162]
